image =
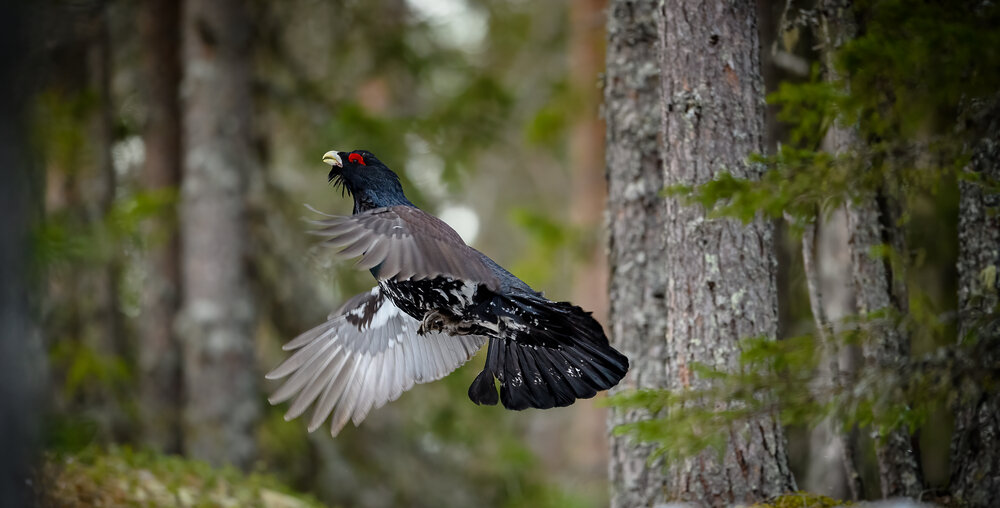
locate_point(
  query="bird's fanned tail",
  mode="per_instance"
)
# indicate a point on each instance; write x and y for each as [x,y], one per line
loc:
[550,354]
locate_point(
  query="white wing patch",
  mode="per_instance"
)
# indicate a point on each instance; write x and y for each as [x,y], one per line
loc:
[365,355]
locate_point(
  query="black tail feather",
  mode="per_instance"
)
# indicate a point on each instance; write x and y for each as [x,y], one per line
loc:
[483,390]
[552,354]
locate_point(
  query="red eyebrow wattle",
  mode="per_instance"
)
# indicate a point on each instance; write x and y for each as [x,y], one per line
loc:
[356,158]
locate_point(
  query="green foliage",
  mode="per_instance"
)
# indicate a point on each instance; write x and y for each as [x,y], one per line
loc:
[84,367]
[65,240]
[120,476]
[779,378]
[897,100]
[553,242]
[772,375]
[917,63]
[897,91]
[550,122]
[376,75]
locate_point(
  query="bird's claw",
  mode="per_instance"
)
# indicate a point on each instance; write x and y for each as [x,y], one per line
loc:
[433,322]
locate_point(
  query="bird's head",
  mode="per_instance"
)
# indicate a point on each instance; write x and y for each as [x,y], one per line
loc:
[365,178]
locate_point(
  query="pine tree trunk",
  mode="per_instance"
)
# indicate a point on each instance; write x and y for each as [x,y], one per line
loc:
[636,217]
[721,283]
[216,321]
[871,222]
[975,447]
[159,352]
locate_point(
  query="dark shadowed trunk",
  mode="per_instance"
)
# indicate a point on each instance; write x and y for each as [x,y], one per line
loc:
[720,272]
[111,341]
[22,361]
[975,448]
[158,352]
[216,320]
[872,222]
[636,215]
[101,286]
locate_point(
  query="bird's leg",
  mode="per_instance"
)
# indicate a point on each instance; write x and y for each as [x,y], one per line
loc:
[444,322]
[433,321]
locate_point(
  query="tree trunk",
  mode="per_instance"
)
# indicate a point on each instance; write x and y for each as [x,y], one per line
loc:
[216,320]
[22,361]
[159,352]
[101,284]
[975,447]
[872,222]
[720,272]
[832,467]
[586,151]
[636,217]
[833,470]
[572,443]
[832,464]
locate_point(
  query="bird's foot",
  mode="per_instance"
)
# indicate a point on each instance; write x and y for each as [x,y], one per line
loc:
[433,321]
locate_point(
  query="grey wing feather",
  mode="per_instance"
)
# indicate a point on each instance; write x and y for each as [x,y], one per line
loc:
[404,242]
[367,354]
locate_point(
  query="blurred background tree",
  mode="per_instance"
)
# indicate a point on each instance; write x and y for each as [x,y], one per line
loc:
[180,140]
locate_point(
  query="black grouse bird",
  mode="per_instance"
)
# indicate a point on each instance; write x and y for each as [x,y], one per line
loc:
[436,303]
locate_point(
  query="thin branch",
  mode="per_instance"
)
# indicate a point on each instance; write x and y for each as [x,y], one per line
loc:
[824,331]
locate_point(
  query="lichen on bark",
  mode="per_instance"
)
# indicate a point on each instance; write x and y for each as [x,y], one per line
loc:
[687,288]
[975,447]
[635,222]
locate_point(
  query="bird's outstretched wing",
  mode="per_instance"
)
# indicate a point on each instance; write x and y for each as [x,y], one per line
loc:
[366,354]
[405,242]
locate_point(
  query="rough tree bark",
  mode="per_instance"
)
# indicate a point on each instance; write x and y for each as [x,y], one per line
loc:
[975,447]
[720,272]
[872,222]
[216,320]
[159,352]
[636,215]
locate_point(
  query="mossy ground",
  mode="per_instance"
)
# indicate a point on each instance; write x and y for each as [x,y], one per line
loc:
[123,477]
[802,500]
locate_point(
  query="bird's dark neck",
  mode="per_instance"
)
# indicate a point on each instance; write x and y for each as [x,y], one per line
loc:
[370,199]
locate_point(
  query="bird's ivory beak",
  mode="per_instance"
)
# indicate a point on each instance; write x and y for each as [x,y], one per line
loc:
[333,159]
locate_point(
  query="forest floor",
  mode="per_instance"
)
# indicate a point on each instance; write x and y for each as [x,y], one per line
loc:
[123,477]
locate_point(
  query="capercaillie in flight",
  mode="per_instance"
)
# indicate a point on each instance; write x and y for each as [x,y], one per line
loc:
[437,302]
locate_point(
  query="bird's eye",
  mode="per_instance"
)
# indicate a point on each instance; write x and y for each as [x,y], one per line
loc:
[356,158]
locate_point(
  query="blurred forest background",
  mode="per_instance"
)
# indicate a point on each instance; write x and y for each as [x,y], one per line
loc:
[171,152]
